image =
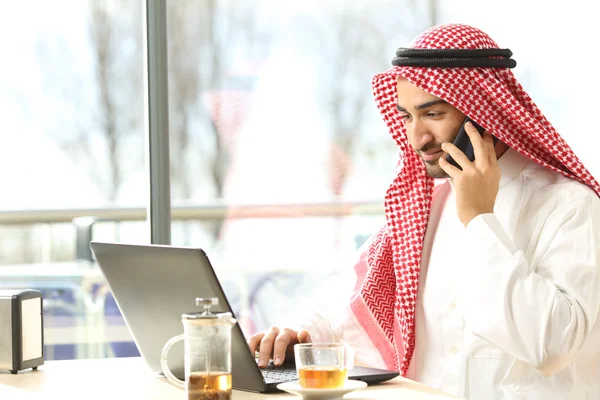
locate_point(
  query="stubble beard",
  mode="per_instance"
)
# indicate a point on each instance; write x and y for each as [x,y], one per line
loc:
[434,170]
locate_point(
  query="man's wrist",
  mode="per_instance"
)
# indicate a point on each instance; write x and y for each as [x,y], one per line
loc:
[466,218]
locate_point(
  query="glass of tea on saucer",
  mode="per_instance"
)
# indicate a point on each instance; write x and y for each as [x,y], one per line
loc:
[323,365]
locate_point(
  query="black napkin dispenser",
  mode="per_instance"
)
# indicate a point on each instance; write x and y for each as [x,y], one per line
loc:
[21,330]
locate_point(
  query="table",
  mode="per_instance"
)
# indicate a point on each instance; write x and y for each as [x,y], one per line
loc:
[130,378]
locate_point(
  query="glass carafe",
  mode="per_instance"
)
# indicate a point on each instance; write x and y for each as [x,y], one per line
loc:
[207,353]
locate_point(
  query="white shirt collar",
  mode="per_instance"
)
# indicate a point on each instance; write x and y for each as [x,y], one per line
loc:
[511,164]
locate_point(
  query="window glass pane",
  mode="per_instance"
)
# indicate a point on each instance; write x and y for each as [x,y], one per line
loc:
[71,146]
[278,153]
[279,159]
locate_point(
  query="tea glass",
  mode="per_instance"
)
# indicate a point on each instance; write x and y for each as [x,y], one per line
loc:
[323,365]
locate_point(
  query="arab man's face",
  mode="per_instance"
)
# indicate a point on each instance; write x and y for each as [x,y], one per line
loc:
[430,121]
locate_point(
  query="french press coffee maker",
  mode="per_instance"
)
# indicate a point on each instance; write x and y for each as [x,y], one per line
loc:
[207,353]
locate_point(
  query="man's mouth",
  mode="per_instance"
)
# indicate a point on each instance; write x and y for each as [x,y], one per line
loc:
[432,155]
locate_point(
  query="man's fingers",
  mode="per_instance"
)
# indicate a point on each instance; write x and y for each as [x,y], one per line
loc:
[254,341]
[490,147]
[448,168]
[266,347]
[458,156]
[286,337]
[304,337]
[479,147]
[276,343]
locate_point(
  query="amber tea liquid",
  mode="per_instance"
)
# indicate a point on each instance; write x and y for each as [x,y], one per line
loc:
[322,377]
[216,386]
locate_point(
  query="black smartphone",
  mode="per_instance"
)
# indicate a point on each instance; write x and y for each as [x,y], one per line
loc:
[463,142]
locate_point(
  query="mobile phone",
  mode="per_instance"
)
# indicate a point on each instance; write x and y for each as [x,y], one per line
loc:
[463,142]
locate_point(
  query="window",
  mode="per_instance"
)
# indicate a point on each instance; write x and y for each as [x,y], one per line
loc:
[279,159]
[71,146]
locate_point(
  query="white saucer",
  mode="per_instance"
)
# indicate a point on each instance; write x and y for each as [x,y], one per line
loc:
[321,394]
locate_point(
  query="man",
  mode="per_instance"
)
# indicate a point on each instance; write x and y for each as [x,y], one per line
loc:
[487,285]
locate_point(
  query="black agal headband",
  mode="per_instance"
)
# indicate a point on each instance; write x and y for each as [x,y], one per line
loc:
[450,58]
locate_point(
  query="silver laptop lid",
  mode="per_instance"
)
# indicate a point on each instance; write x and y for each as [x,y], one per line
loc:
[153,285]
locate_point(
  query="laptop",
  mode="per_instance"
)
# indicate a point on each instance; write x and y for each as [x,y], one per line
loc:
[153,285]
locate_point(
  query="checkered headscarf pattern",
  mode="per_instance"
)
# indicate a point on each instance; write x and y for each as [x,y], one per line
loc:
[495,100]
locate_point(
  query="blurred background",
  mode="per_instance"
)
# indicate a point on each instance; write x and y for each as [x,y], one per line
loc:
[279,159]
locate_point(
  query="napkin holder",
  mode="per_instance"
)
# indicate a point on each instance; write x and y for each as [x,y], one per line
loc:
[21,330]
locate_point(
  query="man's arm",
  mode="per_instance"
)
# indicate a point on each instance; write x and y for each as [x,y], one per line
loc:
[541,313]
[323,313]
[326,316]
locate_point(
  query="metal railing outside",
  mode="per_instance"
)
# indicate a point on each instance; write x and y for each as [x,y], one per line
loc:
[84,219]
[193,212]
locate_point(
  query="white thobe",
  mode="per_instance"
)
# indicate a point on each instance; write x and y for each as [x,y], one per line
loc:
[507,307]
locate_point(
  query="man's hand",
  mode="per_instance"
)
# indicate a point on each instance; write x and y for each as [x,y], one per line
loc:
[276,344]
[477,184]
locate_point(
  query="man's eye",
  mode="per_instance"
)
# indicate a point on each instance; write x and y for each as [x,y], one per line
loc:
[433,115]
[405,116]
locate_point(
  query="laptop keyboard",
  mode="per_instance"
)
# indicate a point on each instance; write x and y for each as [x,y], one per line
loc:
[273,374]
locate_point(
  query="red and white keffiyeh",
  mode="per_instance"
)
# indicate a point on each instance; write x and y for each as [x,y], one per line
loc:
[384,299]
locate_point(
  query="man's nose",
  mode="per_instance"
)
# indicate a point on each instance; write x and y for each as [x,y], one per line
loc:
[419,135]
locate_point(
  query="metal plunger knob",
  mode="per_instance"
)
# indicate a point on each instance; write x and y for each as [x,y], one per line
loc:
[207,302]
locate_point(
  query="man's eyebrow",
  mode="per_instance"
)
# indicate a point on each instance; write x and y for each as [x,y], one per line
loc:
[424,105]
